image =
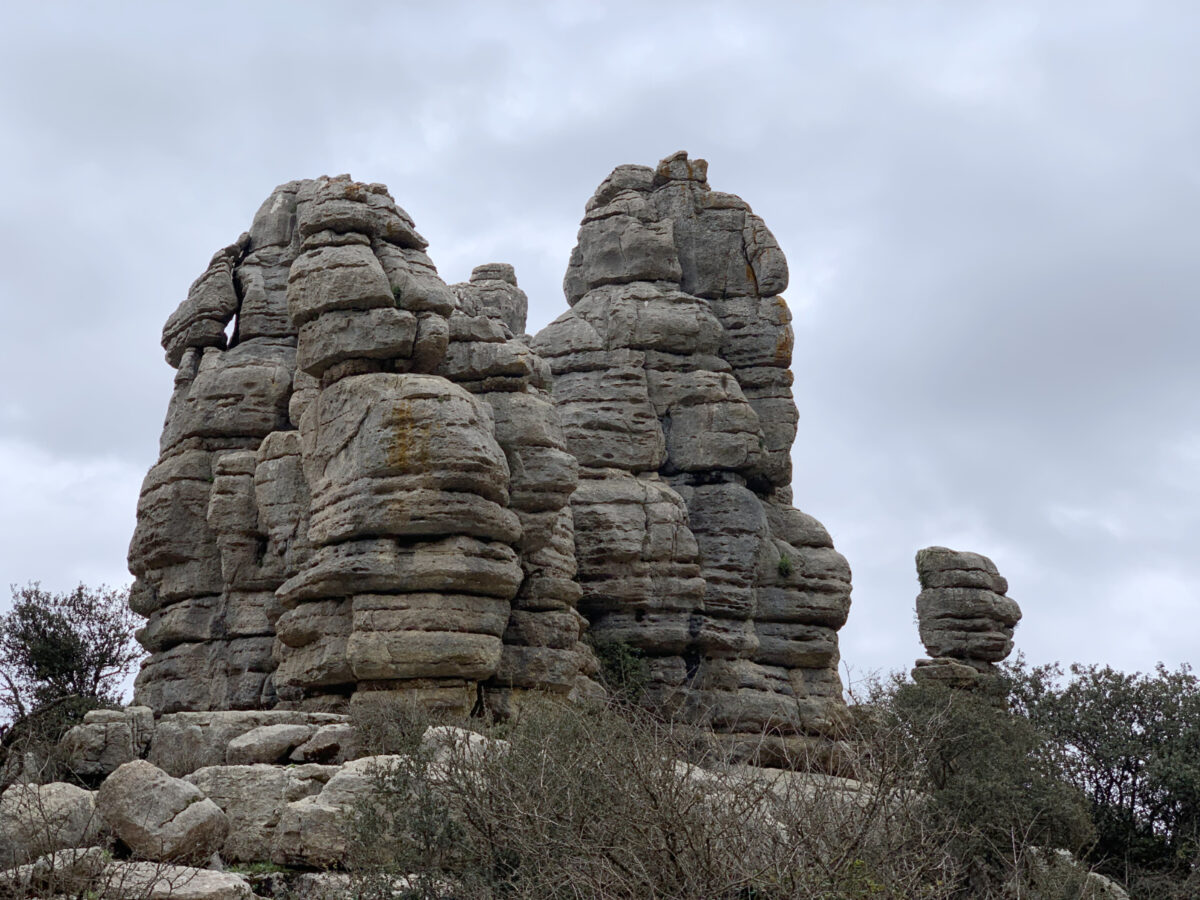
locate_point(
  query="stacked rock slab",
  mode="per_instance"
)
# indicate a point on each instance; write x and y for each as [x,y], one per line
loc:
[966,620]
[672,381]
[330,515]
[489,355]
[215,536]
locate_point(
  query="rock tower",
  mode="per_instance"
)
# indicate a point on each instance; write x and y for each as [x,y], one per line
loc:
[350,497]
[672,381]
[371,482]
[966,621]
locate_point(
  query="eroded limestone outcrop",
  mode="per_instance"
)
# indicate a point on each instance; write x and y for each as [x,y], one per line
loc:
[965,617]
[372,483]
[672,381]
[330,515]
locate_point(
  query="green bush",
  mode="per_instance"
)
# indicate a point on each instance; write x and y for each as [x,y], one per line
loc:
[1131,745]
[990,780]
[624,671]
[61,655]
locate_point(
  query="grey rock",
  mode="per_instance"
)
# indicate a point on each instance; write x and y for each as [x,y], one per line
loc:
[187,741]
[253,798]
[671,379]
[330,744]
[266,744]
[107,738]
[158,817]
[962,611]
[41,819]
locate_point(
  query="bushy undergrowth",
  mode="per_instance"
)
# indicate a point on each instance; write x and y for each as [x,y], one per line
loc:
[604,801]
[1130,744]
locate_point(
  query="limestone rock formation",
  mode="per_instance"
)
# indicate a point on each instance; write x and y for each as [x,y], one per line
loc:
[966,621]
[672,381]
[160,818]
[40,819]
[362,485]
[107,738]
[372,482]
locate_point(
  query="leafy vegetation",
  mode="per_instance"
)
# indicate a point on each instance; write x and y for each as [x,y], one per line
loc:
[1129,743]
[61,655]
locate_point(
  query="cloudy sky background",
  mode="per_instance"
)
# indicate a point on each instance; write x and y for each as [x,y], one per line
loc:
[989,211]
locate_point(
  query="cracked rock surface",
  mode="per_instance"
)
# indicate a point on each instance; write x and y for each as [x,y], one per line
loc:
[372,483]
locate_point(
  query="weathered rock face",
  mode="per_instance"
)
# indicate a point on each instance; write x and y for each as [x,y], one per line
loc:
[39,819]
[672,383]
[363,486]
[966,620]
[372,482]
[158,817]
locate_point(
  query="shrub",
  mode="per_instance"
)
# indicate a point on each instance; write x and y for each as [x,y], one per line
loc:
[54,646]
[595,802]
[1131,744]
[990,780]
[624,671]
[61,655]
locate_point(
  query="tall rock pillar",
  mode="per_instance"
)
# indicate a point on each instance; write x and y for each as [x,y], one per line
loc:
[671,376]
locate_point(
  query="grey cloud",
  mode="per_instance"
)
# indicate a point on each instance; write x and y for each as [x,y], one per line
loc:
[987,210]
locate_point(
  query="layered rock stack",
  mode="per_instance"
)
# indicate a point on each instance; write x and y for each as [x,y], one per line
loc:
[965,619]
[489,355]
[214,537]
[373,483]
[330,517]
[671,377]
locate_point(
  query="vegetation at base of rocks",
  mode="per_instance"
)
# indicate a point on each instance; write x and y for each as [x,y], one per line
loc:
[1130,744]
[597,801]
[391,727]
[61,655]
[624,672]
[992,782]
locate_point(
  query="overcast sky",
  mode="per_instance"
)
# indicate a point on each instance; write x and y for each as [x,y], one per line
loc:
[989,212]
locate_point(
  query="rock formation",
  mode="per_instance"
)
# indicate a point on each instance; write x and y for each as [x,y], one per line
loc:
[671,377]
[330,515]
[373,483]
[965,620]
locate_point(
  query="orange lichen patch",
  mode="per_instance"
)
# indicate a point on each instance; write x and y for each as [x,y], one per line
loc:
[783,349]
[409,449]
[751,277]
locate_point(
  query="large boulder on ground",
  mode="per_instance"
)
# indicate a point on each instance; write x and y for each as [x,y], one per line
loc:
[187,741]
[266,744]
[311,830]
[40,819]
[161,818]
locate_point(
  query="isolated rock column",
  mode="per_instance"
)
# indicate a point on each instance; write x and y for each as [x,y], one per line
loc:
[966,620]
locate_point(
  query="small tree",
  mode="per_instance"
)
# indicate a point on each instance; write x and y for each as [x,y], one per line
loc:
[59,646]
[1131,744]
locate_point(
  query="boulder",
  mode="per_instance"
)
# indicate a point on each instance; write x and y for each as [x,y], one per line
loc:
[41,819]
[107,738]
[266,744]
[253,797]
[161,818]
